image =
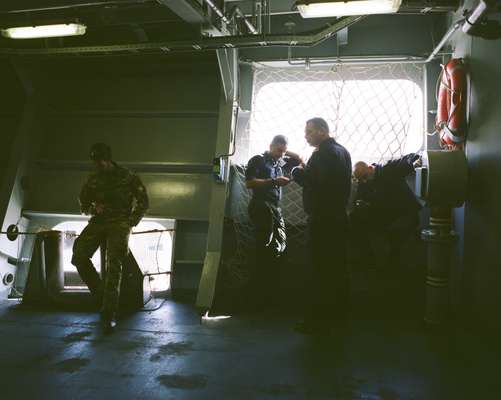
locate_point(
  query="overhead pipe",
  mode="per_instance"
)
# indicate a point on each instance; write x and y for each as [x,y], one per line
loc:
[238,12]
[217,11]
[268,16]
[350,60]
[264,24]
[228,21]
[213,43]
[403,59]
[258,15]
[445,39]
[79,5]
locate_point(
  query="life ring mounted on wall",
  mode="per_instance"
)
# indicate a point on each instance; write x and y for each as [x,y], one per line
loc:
[452,102]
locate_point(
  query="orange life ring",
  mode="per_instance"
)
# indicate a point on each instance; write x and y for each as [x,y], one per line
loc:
[451,107]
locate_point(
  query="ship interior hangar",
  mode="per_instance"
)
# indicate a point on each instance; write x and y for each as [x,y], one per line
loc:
[250,199]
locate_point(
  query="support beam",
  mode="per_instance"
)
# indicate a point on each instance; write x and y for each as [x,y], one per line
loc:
[12,194]
[225,135]
[228,67]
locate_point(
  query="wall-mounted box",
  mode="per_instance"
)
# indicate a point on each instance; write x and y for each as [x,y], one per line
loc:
[442,180]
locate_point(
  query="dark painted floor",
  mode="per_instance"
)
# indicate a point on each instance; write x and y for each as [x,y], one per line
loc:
[168,354]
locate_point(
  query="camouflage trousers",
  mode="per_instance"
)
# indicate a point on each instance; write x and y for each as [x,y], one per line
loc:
[115,235]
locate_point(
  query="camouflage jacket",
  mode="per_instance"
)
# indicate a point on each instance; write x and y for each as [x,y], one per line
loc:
[115,191]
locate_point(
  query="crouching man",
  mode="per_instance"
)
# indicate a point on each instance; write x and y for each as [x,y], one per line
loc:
[391,206]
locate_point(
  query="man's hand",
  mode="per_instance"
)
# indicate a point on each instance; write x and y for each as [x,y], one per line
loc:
[298,175]
[282,181]
[99,208]
[418,163]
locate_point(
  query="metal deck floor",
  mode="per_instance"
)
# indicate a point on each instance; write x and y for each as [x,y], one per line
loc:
[168,354]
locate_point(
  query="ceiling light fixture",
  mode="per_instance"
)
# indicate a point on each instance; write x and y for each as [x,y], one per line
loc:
[341,8]
[44,31]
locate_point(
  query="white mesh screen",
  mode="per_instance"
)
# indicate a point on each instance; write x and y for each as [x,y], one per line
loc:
[375,111]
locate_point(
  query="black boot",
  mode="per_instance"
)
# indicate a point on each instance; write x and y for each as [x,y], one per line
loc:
[108,323]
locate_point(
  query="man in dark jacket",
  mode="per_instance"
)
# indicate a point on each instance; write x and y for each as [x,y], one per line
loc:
[108,196]
[388,203]
[326,182]
[264,176]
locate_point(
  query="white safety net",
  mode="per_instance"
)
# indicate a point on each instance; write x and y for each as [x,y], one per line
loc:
[375,111]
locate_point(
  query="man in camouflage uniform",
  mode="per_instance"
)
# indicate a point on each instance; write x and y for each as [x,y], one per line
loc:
[108,196]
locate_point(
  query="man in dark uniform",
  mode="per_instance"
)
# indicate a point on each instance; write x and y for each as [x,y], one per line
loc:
[386,204]
[326,182]
[264,175]
[108,196]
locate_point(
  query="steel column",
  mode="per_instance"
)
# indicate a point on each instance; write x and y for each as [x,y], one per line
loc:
[207,287]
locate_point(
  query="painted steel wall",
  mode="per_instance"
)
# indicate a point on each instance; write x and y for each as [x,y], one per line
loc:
[150,110]
[479,278]
[11,109]
[374,35]
[159,114]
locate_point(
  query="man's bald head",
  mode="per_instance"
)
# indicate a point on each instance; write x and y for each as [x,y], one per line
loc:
[362,171]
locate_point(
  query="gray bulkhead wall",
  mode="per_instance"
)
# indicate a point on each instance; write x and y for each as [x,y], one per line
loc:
[374,35]
[154,112]
[478,222]
[11,111]
[12,107]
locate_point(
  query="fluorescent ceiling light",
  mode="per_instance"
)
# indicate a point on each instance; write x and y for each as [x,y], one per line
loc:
[44,31]
[340,8]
